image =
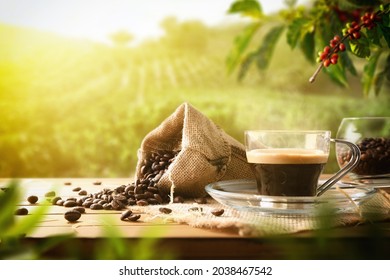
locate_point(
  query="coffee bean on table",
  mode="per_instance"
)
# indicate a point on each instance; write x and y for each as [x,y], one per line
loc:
[76,189]
[21,211]
[107,206]
[32,199]
[79,209]
[165,210]
[70,203]
[60,202]
[217,212]
[142,202]
[72,215]
[126,214]
[96,206]
[55,200]
[134,218]
[83,192]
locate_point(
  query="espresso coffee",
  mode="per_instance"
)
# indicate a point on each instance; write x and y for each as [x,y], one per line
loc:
[287,172]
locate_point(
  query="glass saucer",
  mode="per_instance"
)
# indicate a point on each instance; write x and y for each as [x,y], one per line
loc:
[242,195]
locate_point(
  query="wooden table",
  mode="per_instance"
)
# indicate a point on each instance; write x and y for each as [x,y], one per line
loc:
[369,241]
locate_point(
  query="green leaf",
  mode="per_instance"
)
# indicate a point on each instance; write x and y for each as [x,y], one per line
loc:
[250,8]
[246,63]
[386,33]
[308,46]
[296,31]
[265,51]
[375,35]
[361,47]
[347,63]
[369,72]
[240,44]
[337,74]
[28,223]
[9,198]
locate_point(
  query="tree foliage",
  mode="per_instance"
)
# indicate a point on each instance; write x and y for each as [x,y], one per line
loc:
[349,29]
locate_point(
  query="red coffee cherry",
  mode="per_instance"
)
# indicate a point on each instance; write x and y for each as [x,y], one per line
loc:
[327,62]
[342,47]
[334,58]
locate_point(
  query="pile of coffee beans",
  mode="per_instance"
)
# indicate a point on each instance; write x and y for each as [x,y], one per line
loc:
[375,156]
[142,192]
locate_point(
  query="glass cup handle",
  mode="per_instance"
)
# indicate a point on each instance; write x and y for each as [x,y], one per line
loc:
[353,162]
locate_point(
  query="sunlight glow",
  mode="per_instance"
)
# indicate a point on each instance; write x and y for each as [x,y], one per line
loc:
[96,19]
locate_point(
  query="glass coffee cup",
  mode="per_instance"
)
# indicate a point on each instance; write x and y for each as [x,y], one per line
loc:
[289,163]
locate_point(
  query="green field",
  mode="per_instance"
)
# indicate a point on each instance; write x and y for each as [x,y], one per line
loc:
[74,108]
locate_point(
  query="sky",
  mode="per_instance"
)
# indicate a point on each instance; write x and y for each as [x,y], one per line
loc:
[96,19]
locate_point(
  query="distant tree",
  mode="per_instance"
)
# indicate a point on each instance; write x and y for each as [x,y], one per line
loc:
[327,32]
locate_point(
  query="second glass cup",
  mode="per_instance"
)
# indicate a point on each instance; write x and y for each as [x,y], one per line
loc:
[289,163]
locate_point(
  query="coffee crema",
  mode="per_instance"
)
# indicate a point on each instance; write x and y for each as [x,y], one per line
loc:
[287,172]
[286,156]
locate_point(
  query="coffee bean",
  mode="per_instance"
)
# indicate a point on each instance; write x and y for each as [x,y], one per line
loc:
[70,203]
[21,211]
[67,183]
[83,192]
[102,202]
[134,218]
[158,198]
[55,200]
[97,183]
[72,215]
[165,210]
[142,202]
[120,197]
[217,212]
[152,201]
[60,202]
[126,214]
[96,206]
[79,209]
[76,189]
[32,199]
[107,206]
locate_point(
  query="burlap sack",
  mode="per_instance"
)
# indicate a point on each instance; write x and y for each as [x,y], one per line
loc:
[206,153]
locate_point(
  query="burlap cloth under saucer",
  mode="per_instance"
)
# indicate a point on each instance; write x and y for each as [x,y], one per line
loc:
[376,209]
